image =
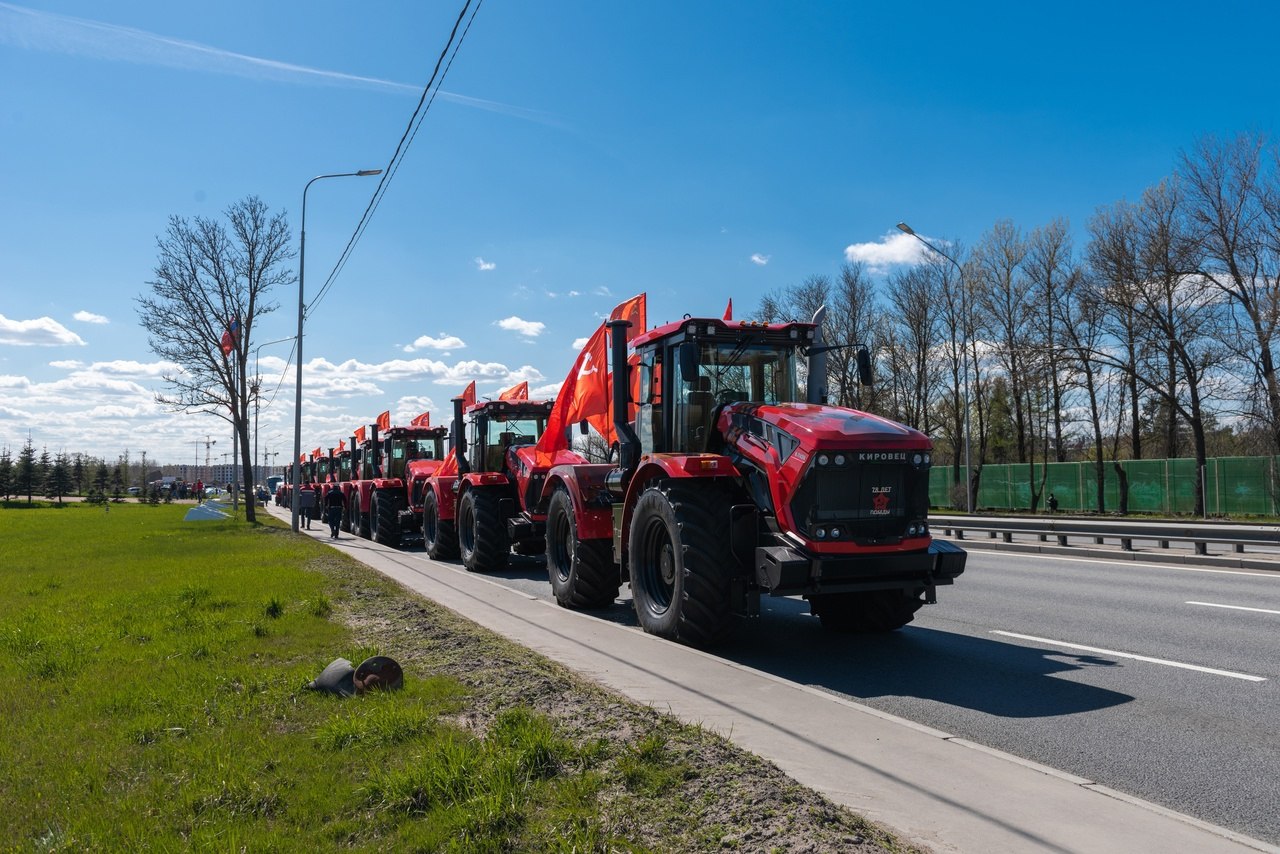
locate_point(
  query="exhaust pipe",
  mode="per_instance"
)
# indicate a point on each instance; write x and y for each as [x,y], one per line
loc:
[816,386]
[628,442]
[459,438]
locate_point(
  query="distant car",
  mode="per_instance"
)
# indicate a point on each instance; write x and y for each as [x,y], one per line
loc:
[133,490]
[214,492]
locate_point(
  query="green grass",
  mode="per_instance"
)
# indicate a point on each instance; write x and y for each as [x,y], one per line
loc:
[153,701]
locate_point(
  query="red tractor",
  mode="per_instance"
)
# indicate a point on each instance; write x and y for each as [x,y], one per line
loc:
[380,503]
[730,485]
[469,502]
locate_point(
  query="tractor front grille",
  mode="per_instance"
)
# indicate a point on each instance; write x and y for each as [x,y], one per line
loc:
[869,503]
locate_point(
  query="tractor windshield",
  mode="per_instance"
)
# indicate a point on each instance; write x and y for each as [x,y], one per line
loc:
[499,431]
[747,369]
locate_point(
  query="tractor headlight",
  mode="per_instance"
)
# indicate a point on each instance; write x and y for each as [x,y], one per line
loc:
[840,459]
[835,533]
[823,459]
[821,533]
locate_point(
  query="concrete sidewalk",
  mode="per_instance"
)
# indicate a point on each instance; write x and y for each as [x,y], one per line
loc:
[935,790]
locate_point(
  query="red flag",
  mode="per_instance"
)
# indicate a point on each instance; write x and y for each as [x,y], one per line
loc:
[317,454]
[342,446]
[360,434]
[584,395]
[728,310]
[423,420]
[469,395]
[634,310]
[384,420]
[519,391]
[449,467]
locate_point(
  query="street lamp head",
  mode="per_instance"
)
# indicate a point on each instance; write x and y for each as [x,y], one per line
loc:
[906,229]
[365,173]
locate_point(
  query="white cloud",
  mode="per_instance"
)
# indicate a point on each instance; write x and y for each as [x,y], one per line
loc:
[41,332]
[579,343]
[602,291]
[527,328]
[444,342]
[759,259]
[894,248]
[67,364]
[89,317]
[482,264]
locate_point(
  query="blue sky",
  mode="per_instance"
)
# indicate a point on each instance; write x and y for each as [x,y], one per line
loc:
[580,152]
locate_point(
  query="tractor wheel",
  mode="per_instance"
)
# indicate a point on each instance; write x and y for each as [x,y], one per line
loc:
[680,562]
[439,535]
[385,515]
[359,521]
[583,574]
[874,611]
[482,532]
[345,524]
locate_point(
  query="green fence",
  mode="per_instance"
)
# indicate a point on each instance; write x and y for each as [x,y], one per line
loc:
[1234,486]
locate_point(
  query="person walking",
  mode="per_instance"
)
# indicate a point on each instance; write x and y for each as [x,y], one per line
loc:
[199,491]
[1053,503]
[333,504]
[306,503]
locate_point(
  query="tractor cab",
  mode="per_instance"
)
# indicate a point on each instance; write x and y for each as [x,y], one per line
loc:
[496,428]
[401,445]
[689,369]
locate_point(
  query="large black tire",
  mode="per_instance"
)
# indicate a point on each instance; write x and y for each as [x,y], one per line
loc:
[359,521]
[384,514]
[345,525]
[482,532]
[681,563]
[873,611]
[582,572]
[439,535]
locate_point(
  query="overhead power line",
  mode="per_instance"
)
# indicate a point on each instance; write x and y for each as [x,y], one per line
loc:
[443,63]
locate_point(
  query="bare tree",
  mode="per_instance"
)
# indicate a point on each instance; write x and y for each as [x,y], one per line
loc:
[914,334]
[207,278]
[1233,207]
[1177,316]
[1005,303]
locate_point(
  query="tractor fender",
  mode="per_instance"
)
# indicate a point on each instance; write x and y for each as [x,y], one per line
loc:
[584,484]
[710,467]
[446,495]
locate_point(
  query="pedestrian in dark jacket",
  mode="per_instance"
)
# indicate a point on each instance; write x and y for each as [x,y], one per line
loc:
[306,503]
[333,504]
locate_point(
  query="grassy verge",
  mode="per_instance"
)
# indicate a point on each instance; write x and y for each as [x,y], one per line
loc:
[153,674]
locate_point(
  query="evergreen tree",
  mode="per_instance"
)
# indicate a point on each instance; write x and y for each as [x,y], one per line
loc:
[60,477]
[44,468]
[101,477]
[117,482]
[6,473]
[77,473]
[25,483]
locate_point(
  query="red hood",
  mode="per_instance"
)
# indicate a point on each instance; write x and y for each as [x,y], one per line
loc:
[832,426]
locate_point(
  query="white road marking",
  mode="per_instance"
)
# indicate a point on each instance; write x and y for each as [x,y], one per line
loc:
[1133,656]
[1235,607]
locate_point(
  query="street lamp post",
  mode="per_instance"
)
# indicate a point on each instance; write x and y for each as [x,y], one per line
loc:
[256,390]
[297,402]
[964,362]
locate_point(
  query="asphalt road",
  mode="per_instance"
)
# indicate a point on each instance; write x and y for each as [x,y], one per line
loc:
[1153,680]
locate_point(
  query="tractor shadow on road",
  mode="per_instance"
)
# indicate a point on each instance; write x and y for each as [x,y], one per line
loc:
[999,678]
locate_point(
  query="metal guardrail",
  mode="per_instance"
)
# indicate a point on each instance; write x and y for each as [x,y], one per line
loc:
[1063,529]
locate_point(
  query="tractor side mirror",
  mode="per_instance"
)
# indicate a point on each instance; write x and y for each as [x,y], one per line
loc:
[689,360]
[864,366]
[584,427]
